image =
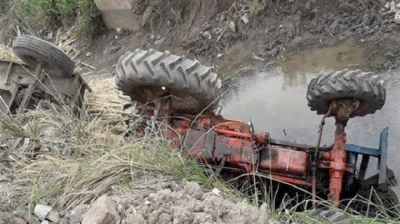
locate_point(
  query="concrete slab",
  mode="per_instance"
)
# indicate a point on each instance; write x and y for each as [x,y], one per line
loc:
[118,14]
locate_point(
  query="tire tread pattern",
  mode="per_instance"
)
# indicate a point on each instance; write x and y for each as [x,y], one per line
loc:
[141,69]
[367,87]
[26,46]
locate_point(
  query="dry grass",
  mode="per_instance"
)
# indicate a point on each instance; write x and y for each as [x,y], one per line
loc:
[36,16]
[81,159]
[106,100]
[6,53]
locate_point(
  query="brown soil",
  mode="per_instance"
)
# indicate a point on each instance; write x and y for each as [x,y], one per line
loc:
[205,31]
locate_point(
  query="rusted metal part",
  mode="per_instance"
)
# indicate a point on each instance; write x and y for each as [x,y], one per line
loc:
[291,180]
[344,107]
[316,154]
[337,156]
[8,90]
[233,133]
[262,138]
[337,165]
[280,159]
[39,74]
[211,139]
[326,163]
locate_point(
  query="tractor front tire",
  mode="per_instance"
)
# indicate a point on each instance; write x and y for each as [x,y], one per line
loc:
[333,85]
[148,75]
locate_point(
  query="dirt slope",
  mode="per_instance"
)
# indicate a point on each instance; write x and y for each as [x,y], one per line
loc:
[226,33]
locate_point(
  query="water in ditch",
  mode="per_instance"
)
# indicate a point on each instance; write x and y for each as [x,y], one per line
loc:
[275,101]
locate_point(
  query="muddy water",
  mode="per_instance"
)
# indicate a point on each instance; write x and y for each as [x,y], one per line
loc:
[349,54]
[275,101]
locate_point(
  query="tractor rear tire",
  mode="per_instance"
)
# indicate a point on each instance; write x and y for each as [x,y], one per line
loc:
[149,75]
[33,50]
[366,87]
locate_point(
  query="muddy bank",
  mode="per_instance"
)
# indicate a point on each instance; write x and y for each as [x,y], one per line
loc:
[226,33]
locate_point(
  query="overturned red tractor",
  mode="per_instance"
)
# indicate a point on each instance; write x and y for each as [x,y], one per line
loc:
[183,95]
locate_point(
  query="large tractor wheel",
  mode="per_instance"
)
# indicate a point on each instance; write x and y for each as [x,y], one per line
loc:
[33,50]
[146,76]
[366,87]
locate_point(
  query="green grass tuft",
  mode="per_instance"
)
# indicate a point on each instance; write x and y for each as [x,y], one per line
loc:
[34,16]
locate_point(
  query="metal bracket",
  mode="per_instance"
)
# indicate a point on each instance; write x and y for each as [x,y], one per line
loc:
[380,153]
[39,75]
[383,146]
[218,110]
[209,144]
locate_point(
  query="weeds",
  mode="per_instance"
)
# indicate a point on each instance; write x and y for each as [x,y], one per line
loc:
[34,16]
[256,6]
[6,53]
[155,12]
[86,157]
[108,162]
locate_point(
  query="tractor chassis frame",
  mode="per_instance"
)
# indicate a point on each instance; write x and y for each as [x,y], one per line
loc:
[214,140]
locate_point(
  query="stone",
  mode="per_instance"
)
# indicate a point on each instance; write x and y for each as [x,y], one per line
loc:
[245,18]
[397,17]
[120,208]
[139,219]
[53,216]
[103,211]
[194,189]
[207,35]
[16,221]
[75,215]
[232,26]
[118,14]
[26,217]
[164,218]
[41,211]
[45,222]
[392,6]
[216,191]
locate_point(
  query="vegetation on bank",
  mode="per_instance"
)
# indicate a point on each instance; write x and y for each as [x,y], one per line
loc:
[38,16]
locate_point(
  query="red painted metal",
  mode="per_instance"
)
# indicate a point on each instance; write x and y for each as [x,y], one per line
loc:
[337,165]
[291,180]
[284,160]
[221,142]
[233,133]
